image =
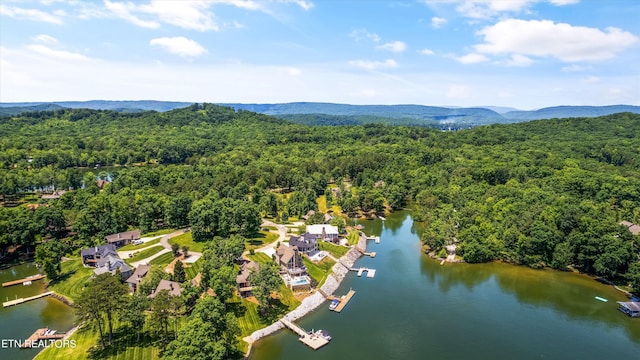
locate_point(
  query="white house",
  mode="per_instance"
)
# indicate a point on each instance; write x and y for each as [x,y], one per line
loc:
[324,232]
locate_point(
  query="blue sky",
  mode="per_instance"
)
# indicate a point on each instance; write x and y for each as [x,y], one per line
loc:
[519,53]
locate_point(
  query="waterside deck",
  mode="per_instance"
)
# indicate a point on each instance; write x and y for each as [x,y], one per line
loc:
[41,334]
[311,340]
[21,281]
[23,300]
[344,300]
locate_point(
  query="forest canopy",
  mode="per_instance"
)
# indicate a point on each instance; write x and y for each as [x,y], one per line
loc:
[542,193]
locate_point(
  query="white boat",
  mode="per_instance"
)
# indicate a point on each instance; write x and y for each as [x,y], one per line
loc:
[334,304]
[323,334]
[27,283]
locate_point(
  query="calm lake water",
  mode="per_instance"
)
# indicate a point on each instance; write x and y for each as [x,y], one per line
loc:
[20,321]
[416,309]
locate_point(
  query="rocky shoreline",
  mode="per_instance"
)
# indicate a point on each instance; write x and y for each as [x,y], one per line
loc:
[310,303]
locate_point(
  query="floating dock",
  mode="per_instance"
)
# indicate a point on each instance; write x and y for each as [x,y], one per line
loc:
[344,300]
[313,341]
[370,272]
[22,281]
[41,334]
[23,300]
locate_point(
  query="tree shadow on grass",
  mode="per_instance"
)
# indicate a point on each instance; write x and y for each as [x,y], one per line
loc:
[123,338]
[274,311]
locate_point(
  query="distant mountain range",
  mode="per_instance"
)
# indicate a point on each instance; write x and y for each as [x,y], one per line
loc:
[313,113]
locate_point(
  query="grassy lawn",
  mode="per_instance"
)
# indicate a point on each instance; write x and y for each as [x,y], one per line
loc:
[260,258]
[193,269]
[322,203]
[139,246]
[158,233]
[164,259]
[320,270]
[145,253]
[72,279]
[353,237]
[262,238]
[125,346]
[335,250]
[187,239]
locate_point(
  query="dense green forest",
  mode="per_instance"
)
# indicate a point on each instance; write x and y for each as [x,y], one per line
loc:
[542,193]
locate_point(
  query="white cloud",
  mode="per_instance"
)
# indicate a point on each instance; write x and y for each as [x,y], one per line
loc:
[575,68]
[43,38]
[519,60]
[546,38]
[472,58]
[372,65]
[591,79]
[306,5]
[179,45]
[362,34]
[293,71]
[437,22]
[29,14]
[485,9]
[58,54]
[426,52]
[123,11]
[394,46]
[191,15]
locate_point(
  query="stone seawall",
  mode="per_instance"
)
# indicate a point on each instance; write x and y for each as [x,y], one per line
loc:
[310,303]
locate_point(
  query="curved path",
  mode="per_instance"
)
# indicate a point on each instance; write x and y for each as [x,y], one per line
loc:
[164,241]
[282,235]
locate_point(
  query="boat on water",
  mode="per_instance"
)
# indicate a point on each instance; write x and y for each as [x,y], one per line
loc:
[321,333]
[26,283]
[334,304]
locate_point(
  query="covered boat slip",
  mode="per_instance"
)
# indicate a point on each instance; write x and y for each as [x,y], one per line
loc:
[630,308]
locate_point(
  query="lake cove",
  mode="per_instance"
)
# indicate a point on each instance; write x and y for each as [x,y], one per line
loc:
[414,308]
[20,321]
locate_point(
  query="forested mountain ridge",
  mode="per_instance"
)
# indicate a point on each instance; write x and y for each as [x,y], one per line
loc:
[538,193]
[331,114]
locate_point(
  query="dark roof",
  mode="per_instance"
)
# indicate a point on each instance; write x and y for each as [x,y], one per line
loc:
[111,264]
[245,273]
[175,289]
[102,250]
[141,271]
[130,235]
[303,241]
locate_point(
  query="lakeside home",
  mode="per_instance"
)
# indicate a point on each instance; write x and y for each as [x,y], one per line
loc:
[123,238]
[137,276]
[630,308]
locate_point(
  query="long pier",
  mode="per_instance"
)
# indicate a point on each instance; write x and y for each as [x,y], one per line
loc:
[313,341]
[23,300]
[344,300]
[21,281]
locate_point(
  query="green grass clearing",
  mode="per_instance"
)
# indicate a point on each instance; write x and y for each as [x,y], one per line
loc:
[163,260]
[193,269]
[260,258]
[320,270]
[143,254]
[158,233]
[335,250]
[72,279]
[353,237]
[187,239]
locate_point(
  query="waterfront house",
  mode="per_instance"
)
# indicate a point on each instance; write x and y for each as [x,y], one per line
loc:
[243,280]
[112,264]
[306,243]
[123,238]
[633,228]
[630,308]
[289,260]
[135,278]
[174,288]
[91,255]
[324,232]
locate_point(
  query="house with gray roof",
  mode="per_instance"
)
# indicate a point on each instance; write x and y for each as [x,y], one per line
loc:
[123,238]
[306,243]
[135,278]
[288,257]
[174,288]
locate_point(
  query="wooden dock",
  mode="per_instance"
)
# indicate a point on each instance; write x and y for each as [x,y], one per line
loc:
[41,334]
[311,340]
[344,300]
[20,281]
[23,300]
